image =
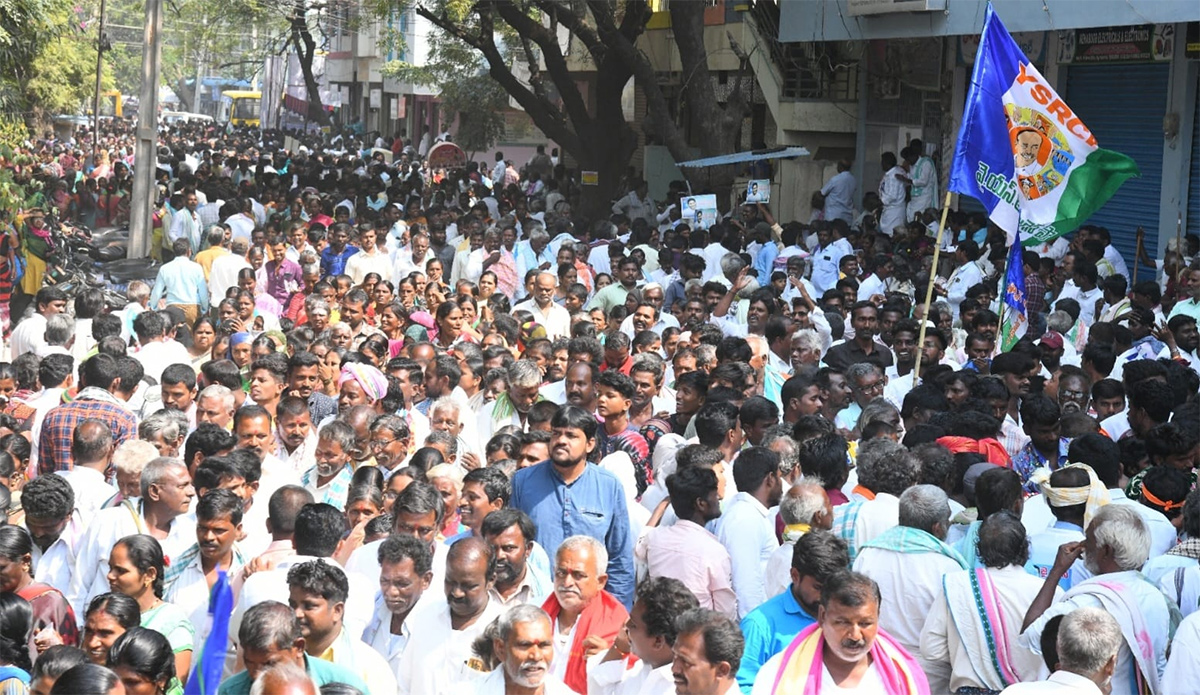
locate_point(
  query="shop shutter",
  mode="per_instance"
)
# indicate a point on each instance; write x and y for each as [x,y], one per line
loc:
[1124,105]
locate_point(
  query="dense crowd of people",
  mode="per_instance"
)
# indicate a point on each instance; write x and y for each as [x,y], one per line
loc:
[441,433]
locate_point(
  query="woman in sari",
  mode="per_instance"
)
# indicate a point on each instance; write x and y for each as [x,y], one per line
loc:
[51,611]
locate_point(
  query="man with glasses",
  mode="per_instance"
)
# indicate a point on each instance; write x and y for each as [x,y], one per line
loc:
[867,382]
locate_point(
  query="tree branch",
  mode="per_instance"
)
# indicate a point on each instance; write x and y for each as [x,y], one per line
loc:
[556,64]
[549,121]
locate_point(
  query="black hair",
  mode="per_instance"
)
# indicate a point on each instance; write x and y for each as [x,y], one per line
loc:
[56,661]
[714,421]
[209,439]
[176,374]
[54,370]
[663,598]
[145,553]
[501,520]
[86,679]
[820,554]
[824,457]
[1108,389]
[1169,486]
[47,496]
[753,467]
[996,490]
[495,484]
[119,607]
[421,498]
[214,469]
[618,382]
[146,652]
[687,485]
[16,621]
[574,417]
[319,528]
[395,549]
[1002,539]
[218,503]
[320,578]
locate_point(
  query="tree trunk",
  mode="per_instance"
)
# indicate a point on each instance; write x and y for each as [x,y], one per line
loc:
[306,50]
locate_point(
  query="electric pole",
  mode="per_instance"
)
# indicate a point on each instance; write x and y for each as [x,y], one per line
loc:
[100,47]
[146,147]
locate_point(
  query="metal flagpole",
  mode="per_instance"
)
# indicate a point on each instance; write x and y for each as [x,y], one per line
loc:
[937,250]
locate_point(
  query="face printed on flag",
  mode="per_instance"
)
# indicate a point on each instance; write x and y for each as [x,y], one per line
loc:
[1023,152]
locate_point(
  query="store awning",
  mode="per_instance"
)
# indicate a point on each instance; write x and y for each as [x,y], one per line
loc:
[752,156]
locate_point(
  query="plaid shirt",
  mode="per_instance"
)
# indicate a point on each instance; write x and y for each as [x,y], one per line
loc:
[335,493]
[191,556]
[54,446]
[845,519]
[1035,294]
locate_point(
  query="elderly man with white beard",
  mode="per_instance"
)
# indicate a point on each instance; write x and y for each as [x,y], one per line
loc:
[1114,549]
[524,646]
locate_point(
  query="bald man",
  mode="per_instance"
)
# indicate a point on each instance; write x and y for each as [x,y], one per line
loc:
[91,451]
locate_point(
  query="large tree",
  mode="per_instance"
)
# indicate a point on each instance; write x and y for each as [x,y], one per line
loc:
[501,35]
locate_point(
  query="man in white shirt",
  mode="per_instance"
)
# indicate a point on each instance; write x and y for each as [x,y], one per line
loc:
[746,527]
[157,352]
[552,316]
[405,572]
[439,659]
[225,270]
[651,633]
[91,451]
[964,277]
[891,195]
[498,172]
[242,224]
[185,223]
[317,592]
[29,335]
[56,528]
[960,632]
[637,204]
[369,259]
[523,646]
[908,562]
[167,494]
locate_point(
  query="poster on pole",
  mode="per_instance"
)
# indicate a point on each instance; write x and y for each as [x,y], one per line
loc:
[758,191]
[700,211]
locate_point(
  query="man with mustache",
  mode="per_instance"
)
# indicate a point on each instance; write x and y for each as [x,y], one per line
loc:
[586,618]
[317,593]
[845,649]
[188,580]
[522,567]
[442,656]
[524,645]
[707,653]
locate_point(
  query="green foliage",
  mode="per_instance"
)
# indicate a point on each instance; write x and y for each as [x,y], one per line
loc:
[480,103]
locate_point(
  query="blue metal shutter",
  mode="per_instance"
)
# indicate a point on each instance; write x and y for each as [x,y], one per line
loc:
[1192,223]
[1124,105]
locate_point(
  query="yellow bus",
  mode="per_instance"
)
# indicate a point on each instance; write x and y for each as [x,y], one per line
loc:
[110,103]
[240,108]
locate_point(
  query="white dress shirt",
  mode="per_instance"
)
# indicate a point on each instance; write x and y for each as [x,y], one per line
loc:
[56,564]
[90,487]
[437,661]
[746,531]
[619,678]
[910,583]
[554,318]
[105,528]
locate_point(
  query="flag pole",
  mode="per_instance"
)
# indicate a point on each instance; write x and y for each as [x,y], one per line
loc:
[933,273]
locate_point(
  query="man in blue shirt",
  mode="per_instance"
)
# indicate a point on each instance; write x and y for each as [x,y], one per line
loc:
[182,283]
[566,496]
[334,256]
[770,628]
[270,635]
